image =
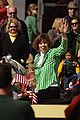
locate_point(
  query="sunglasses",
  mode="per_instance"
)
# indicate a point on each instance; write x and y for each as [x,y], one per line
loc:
[73,8]
[12,13]
[13,26]
[75,23]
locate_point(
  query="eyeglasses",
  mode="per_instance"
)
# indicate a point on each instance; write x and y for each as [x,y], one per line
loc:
[75,23]
[13,26]
[12,13]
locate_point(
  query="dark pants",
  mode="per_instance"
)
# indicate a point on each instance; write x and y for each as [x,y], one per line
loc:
[47,94]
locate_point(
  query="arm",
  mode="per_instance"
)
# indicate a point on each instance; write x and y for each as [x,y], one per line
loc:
[64,42]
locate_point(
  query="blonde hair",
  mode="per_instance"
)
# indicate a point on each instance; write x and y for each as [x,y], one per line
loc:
[57,23]
[30,8]
[15,21]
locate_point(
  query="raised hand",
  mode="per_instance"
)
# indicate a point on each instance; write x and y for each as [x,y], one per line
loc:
[64,27]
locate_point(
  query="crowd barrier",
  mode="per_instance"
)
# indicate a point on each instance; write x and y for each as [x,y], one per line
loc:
[49,111]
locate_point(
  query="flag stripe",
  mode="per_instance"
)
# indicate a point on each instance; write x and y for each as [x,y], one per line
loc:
[20,78]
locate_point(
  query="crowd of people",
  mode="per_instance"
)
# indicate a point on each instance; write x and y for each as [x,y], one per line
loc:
[51,60]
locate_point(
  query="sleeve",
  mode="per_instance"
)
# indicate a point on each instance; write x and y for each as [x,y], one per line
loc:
[34,26]
[60,67]
[61,49]
[26,48]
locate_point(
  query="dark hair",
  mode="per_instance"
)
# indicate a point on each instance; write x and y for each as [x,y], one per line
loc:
[75,18]
[41,37]
[30,7]
[5,75]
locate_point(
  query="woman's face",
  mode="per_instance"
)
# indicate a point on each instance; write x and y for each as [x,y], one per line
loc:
[43,46]
[34,11]
[74,24]
[13,28]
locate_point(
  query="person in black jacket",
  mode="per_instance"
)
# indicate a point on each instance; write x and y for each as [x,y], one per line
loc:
[12,13]
[14,42]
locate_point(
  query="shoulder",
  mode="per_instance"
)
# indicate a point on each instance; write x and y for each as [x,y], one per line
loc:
[28,18]
[21,22]
[19,104]
[5,34]
[22,108]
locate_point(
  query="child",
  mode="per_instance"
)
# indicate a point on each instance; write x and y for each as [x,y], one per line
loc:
[67,71]
[31,22]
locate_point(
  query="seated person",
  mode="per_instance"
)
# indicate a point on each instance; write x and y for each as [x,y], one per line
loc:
[67,71]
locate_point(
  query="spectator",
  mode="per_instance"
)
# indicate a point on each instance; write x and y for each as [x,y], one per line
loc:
[31,22]
[3,13]
[46,63]
[72,12]
[72,112]
[74,36]
[67,71]
[11,109]
[76,89]
[12,13]
[54,33]
[14,42]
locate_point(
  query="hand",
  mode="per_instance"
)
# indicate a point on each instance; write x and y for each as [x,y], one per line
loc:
[64,28]
[1,61]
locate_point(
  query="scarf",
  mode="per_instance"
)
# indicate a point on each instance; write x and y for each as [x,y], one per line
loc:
[12,36]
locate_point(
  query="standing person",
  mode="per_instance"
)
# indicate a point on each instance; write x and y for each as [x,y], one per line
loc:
[31,22]
[13,42]
[46,63]
[11,109]
[12,13]
[72,12]
[54,33]
[3,13]
[74,36]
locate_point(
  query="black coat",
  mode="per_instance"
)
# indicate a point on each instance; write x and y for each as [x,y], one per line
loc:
[19,49]
[15,109]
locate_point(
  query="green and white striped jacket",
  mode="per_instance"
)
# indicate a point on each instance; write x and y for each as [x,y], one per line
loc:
[46,73]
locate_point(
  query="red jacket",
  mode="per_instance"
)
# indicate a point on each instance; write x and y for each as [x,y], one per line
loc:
[3,13]
[72,105]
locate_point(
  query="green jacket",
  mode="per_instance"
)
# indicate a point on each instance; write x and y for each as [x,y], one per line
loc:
[46,73]
[31,23]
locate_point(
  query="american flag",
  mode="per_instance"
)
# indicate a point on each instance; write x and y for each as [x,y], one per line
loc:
[20,78]
[23,79]
[33,97]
